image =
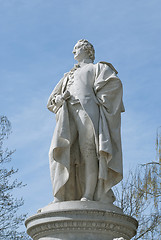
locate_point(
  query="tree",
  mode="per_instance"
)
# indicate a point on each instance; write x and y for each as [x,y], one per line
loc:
[10,221]
[141,196]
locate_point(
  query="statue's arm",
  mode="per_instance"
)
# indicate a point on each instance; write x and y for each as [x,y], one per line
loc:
[104,72]
[56,98]
[51,104]
[108,88]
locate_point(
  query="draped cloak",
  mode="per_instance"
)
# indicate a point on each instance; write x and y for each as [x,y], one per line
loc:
[99,91]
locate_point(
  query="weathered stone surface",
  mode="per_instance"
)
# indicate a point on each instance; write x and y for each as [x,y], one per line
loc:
[85,156]
[76,220]
[85,153]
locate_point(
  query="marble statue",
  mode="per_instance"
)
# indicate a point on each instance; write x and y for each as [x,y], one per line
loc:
[85,154]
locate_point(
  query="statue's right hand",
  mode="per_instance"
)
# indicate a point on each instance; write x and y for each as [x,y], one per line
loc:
[58,99]
[66,95]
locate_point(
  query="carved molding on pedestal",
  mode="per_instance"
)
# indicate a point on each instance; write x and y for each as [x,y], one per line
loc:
[73,221]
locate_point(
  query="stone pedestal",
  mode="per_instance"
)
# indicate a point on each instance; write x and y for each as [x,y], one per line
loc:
[76,220]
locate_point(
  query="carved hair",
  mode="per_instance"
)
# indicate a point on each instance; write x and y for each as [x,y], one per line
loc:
[88,47]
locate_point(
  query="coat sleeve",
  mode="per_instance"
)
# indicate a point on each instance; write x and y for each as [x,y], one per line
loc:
[51,105]
[108,89]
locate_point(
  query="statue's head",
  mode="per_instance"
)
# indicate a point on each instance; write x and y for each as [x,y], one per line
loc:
[83,50]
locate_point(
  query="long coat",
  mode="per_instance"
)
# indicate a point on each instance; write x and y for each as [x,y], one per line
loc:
[100,93]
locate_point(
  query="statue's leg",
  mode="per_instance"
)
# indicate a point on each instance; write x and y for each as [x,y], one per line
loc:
[88,153]
[87,147]
[91,173]
[71,186]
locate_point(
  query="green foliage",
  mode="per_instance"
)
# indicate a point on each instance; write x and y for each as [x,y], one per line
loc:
[9,205]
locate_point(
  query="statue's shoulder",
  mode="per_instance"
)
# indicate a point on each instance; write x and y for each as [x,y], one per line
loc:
[109,65]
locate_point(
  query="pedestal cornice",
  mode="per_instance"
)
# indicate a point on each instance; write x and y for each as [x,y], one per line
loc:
[72,220]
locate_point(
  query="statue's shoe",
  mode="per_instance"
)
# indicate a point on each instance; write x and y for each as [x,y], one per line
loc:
[83,199]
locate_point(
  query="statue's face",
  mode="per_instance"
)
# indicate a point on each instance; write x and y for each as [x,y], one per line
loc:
[79,52]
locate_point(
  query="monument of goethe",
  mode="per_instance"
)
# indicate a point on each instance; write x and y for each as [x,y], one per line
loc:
[85,155]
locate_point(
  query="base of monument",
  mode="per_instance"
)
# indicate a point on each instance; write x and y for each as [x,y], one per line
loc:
[76,220]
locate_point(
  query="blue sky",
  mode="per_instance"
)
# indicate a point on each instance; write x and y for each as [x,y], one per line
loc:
[36,42]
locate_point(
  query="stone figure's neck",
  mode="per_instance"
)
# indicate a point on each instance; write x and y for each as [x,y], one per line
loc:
[85,61]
